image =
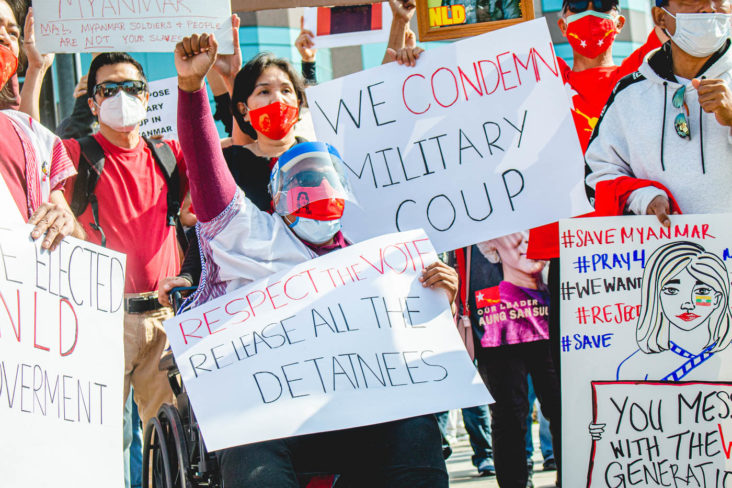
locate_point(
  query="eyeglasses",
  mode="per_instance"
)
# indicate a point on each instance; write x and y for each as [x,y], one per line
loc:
[582,5]
[681,122]
[110,88]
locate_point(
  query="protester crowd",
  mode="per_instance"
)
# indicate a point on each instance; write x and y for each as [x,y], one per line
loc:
[656,135]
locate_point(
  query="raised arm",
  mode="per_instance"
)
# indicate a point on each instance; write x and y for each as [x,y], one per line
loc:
[212,186]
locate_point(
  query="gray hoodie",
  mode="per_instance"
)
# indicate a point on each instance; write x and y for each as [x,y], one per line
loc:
[635,137]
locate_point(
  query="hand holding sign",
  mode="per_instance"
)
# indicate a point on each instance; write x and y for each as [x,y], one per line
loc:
[194,57]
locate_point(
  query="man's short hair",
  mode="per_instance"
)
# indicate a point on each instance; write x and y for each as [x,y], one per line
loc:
[106,59]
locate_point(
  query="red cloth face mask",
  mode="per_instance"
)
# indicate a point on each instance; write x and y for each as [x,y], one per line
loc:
[591,33]
[8,65]
[274,120]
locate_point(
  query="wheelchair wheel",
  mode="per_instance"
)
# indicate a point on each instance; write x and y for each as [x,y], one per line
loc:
[155,458]
[165,453]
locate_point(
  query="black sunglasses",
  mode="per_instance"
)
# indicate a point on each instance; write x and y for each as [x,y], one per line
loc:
[110,88]
[582,5]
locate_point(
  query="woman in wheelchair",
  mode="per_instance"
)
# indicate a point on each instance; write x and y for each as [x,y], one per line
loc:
[242,244]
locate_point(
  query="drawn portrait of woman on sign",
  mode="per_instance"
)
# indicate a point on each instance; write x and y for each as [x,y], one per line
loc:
[685,318]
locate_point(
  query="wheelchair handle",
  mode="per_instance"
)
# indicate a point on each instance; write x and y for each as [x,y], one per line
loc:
[178,294]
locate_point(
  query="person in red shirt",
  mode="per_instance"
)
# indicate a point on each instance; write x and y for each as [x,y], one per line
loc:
[33,162]
[132,212]
[590,28]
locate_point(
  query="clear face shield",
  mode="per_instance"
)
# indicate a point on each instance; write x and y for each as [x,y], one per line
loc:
[309,182]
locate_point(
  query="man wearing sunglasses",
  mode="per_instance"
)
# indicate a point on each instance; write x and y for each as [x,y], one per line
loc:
[663,143]
[130,212]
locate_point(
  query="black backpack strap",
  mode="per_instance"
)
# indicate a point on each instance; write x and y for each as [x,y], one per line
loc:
[91,165]
[164,157]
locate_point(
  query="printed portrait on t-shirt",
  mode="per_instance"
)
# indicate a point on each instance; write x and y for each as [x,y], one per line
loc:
[517,310]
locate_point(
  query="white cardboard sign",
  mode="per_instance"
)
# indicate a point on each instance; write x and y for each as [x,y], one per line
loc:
[320,20]
[10,214]
[349,339]
[61,363]
[475,142]
[72,26]
[662,434]
[162,109]
[646,326]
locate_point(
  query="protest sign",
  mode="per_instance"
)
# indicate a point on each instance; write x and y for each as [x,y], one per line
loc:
[61,363]
[253,5]
[662,434]
[162,109]
[646,364]
[73,26]
[10,214]
[477,137]
[348,25]
[349,339]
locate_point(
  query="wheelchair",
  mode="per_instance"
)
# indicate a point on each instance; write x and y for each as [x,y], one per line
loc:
[174,454]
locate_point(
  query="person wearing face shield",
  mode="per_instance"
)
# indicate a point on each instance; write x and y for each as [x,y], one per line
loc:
[242,244]
[129,211]
[663,144]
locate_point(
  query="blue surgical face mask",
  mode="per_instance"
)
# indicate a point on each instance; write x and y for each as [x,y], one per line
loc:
[315,231]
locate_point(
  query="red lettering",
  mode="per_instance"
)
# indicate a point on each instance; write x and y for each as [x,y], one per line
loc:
[12,322]
[705,232]
[406,261]
[185,334]
[482,76]
[232,314]
[272,297]
[253,306]
[60,328]
[535,54]
[35,323]
[404,98]
[420,253]
[504,73]
[457,90]
[464,78]
[726,446]
[355,272]
[287,282]
[209,323]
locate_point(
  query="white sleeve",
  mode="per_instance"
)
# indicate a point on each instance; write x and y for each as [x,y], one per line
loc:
[607,155]
[246,244]
[639,200]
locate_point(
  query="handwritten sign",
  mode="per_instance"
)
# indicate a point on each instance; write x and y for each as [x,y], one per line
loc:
[661,434]
[475,142]
[348,25]
[61,362]
[349,339]
[72,26]
[162,109]
[646,318]
[10,214]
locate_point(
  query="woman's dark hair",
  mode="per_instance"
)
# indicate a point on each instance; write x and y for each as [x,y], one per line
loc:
[106,59]
[247,78]
[8,93]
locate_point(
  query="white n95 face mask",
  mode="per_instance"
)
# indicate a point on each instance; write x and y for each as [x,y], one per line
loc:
[315,231]
[700,35]
[122,112]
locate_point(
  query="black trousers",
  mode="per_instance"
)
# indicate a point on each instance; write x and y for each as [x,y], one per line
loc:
[504,370]
[400,454]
